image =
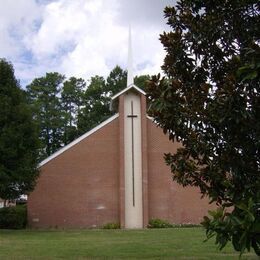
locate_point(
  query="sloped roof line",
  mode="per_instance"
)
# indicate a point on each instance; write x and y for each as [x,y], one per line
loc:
[79,139]
[126,89]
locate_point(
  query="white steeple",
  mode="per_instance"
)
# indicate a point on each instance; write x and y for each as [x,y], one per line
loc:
[130,77]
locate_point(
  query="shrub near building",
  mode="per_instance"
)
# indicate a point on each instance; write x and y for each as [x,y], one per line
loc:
[13,217]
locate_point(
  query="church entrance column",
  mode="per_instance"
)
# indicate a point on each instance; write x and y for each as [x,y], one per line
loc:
[133,161]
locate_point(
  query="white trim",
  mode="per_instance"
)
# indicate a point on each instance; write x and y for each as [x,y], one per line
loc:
[128,88]
[68,146]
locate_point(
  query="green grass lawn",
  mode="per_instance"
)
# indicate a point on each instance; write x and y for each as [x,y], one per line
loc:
[174,243]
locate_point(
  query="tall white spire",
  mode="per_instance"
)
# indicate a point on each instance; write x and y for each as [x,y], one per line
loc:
[130,77]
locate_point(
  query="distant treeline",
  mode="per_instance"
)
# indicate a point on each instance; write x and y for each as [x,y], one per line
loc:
[63,109]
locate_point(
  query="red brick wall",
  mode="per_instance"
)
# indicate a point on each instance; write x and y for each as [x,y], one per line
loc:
[79,188]
[167,199]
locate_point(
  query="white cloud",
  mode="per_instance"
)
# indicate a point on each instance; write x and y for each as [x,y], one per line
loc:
[17,18]
[145,13]
[81,37]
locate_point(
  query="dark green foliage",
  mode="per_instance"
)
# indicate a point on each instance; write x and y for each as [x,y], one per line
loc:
[13,217]
[43,96]
[18,138]
[71,101]
[116,81]
[242,223]
[97,97]
[210,102]
[95,105]
[159,223]
[65,109]
[57,106]
[43,93]
[111,226]
[141,81]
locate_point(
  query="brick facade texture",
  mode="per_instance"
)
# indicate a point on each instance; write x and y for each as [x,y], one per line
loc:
[167,199]
[82,187]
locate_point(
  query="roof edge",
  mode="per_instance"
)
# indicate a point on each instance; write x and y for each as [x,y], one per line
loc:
[126,89]
[76,141]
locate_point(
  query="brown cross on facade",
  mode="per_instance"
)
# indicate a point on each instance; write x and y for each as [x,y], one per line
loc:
[132,116]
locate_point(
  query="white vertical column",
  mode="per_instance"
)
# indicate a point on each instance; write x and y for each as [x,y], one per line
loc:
[133,161]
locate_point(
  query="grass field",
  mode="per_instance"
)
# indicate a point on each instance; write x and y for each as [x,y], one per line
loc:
[175,243]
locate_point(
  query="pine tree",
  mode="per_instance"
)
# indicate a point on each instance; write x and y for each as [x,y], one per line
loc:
[44,98]
[72,100]
[97,97]
[115,81]
[95,105]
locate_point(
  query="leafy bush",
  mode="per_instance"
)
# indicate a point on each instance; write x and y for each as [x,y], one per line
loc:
[13,217]
[111,226]
[159,223]
[240,226]
[187,225]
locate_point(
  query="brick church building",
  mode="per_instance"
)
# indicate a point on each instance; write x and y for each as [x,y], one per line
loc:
[114,173]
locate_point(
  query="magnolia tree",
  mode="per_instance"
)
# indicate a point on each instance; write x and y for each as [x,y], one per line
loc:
[209,101]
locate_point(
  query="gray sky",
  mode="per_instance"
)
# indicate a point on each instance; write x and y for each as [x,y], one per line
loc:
[80,38]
